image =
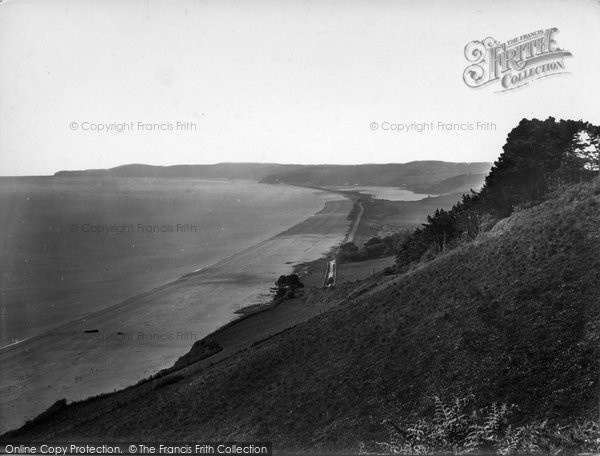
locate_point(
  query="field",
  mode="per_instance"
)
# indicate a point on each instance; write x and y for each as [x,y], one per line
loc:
[349,272]
[383,217]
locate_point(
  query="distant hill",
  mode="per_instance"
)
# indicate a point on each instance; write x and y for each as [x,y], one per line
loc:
[512,318]
[455,184]
[254,171]
[411,175]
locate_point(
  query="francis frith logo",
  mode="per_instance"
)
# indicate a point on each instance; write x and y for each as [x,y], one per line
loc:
[516,62]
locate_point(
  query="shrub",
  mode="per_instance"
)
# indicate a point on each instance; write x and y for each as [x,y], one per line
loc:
[456,429]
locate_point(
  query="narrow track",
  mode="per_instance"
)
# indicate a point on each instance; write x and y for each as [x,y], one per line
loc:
[330,278]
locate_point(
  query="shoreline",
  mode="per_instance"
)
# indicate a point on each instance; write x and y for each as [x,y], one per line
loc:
[129,300]
[228,272]
[56,274]
[233,337]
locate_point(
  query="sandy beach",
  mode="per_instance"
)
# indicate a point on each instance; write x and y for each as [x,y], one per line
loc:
[118,346]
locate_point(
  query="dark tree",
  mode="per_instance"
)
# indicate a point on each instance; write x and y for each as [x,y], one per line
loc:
[287,284]
[538,157]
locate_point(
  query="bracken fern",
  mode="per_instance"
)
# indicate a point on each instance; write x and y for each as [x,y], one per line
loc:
[453,430]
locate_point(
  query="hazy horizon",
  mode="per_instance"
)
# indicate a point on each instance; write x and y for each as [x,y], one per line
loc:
[235,163]
[271,81]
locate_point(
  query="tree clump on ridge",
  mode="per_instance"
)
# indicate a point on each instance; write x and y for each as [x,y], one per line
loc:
[539,157]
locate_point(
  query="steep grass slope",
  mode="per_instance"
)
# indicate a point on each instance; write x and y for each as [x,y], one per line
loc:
[513,317]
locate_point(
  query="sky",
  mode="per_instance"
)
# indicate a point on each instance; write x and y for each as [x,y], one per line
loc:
[273,81]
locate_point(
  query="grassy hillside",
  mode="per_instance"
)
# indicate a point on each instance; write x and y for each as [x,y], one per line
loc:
[512,317]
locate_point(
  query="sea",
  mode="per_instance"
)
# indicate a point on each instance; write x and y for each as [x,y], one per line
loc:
[70,246]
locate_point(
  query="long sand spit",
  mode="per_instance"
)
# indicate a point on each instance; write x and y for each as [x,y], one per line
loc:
[118,346]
